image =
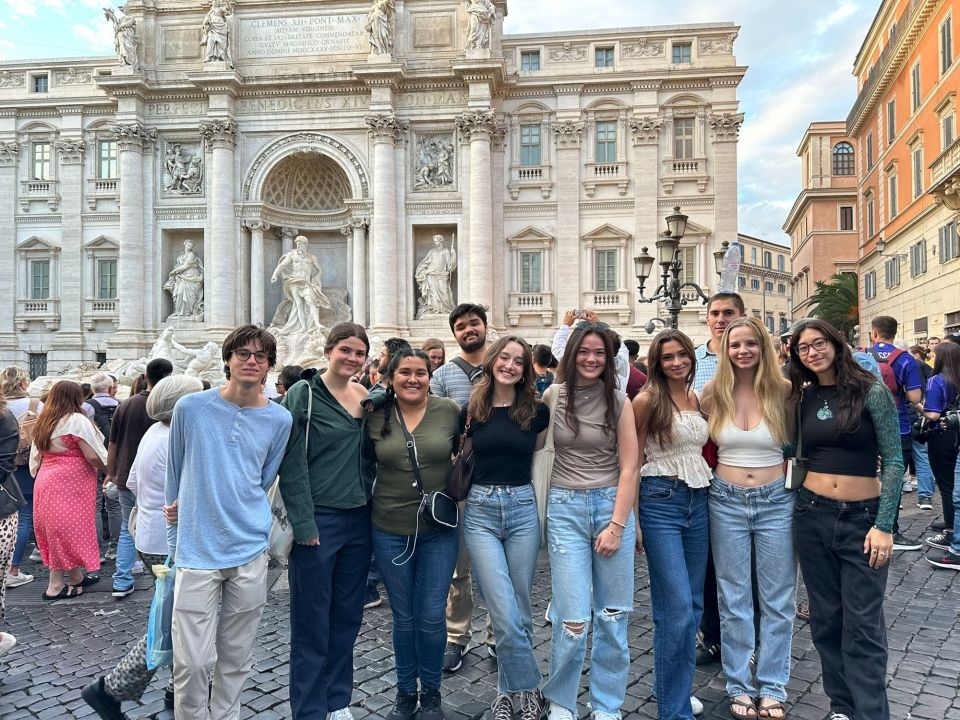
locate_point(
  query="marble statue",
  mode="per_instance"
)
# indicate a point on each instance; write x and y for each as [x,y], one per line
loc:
[124,37]
[433,279]
[215,33]
[303,296]
[482,14]
[182,174]
[204,361]
[434,162]
[379,27]
[185,284]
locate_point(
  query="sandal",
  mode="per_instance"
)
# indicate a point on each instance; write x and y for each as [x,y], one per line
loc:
[803,612]
[67,592]
[88,580]
[747,709]
[765,710]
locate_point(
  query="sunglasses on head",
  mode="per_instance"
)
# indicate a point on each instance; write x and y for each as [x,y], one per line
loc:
[587,325]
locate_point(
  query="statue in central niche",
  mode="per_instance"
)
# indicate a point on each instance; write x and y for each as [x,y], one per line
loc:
[300,272]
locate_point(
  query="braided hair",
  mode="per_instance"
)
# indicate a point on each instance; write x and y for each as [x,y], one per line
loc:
[395,361]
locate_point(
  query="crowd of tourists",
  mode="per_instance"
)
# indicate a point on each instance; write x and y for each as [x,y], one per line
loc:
[724,466]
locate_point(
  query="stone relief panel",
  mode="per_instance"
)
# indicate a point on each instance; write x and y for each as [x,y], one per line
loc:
[11,80]
[641,48]
[73,76]
[182,169]
[718,46]
[568,53]
[434,164]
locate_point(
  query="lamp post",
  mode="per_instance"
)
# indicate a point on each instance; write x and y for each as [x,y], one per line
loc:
[668,257]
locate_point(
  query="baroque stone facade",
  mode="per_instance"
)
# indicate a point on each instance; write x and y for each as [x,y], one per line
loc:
[545,161]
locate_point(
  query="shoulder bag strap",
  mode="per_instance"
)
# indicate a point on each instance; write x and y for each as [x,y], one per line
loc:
[464,434]
[411,449]
[306,432]
[471,371]
[554,397]
[799,453]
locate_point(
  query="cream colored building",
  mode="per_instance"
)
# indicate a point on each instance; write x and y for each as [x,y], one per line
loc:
[764,282]
[545,161]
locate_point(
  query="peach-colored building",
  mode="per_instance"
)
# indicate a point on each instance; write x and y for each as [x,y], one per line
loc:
[904,123]
[822,222]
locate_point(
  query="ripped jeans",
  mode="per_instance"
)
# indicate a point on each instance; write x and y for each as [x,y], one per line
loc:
[584,583]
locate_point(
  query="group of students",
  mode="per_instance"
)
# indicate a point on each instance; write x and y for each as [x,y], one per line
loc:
[670,473]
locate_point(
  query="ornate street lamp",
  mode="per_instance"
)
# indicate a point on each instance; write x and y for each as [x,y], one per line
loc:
[668,257]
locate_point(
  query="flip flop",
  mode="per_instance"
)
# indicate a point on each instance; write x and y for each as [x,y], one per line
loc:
[749,709]
[88,580]
[764,711]
[67,592]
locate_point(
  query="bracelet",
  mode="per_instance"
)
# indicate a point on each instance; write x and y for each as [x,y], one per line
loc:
[614,534]
[619,525]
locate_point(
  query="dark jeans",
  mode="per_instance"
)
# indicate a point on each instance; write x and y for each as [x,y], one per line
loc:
[417,590]
[114,518]
[25,522]
[846,602]
[906,446]
[326,609]
[942,451]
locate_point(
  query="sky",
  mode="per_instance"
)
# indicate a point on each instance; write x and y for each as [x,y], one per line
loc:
[799,54]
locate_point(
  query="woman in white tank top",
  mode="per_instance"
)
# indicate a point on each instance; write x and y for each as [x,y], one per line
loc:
[751,516]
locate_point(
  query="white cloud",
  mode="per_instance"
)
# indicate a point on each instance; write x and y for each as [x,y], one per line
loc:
[97,35]
[843,11]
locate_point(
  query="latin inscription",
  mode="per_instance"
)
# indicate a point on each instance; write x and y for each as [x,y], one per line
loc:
[301,104]
[176,109]
[298,36]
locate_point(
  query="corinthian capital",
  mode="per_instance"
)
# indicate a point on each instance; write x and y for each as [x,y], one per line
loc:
[646,129]
[219,133]
[726,126]
[386,127]
[568,134]
[132,136]
[477,124]
[354,223]
[70,152]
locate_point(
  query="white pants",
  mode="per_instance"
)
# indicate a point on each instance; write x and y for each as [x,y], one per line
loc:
[207,642]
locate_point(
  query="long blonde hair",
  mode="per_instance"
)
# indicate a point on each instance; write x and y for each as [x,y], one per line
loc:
[768,383]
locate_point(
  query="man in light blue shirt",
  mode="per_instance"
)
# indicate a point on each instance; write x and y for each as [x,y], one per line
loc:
[722,309]
[226,445]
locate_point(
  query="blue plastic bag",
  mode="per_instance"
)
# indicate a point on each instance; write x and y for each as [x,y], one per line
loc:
[159,634]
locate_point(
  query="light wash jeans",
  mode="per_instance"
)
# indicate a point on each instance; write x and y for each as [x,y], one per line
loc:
[583,581]
[675,526]
[756,522]
[126,550]
[502,533]
[925,482]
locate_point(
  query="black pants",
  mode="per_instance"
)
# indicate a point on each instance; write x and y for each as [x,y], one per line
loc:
[327,585]
[906,447]
[942,451]
[846,602]
[710,622]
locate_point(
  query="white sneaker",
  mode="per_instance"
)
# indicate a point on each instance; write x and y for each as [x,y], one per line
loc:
[341,714]
[7,642]
[35,555]
[138,568]
[696,707]
[839,716]
[555,712]
[19,579]
[546,613]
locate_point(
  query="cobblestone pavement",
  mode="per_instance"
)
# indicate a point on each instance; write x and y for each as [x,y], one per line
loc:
[63,645]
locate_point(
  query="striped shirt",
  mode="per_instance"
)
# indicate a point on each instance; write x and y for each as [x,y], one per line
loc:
[450,381]
[706,368]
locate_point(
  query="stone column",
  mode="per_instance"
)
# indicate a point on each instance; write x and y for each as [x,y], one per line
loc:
[646,137]
[568,135]
[478,126]
[287,234]
[220,295]
[256,228]
[726,128]
[9,152]
[131,140]
[497,314]
[356,228]
[71,290]
[385,130]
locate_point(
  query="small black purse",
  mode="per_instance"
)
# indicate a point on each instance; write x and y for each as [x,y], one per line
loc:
[797,466]
[436,508]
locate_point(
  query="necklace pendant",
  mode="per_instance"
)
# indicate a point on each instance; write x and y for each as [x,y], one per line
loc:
[824,413]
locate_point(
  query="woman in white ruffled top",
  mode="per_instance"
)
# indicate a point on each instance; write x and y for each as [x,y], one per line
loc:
[67,456]
[674,482]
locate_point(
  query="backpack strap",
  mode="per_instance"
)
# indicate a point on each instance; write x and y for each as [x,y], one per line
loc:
[473,372]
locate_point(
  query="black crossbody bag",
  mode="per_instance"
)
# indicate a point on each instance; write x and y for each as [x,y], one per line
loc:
[436,508]
[797,466]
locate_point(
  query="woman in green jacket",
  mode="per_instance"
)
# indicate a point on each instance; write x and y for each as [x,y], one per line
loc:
[325,482]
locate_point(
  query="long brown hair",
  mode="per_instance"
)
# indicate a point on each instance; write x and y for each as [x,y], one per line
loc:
[853,381]
[64,398]
[947,363]
[568,374]
[524,408]
[661,405]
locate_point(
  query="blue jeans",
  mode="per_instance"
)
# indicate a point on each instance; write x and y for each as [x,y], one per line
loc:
[675,524]
[755,522]
[502,533]
[925,483]
[126,550]
[24,528]
[327,582]
[417,590]
[955,547]
[583,581]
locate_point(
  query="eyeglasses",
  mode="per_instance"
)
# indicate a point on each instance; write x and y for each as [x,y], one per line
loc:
[820,344]
[243,355]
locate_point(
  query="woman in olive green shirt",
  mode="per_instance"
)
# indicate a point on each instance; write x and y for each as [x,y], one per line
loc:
[416,561]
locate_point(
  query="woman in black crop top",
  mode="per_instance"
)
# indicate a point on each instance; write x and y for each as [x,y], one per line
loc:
[501,527]
[843,517]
